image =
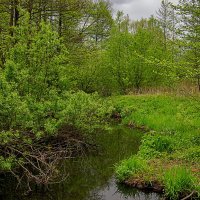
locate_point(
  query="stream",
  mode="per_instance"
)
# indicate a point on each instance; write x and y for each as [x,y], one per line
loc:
[91,177]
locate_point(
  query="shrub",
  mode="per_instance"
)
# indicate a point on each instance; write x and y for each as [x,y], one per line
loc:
[84,111]
[6,164]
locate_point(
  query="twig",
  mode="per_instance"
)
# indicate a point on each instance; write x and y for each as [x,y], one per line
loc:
[187,197]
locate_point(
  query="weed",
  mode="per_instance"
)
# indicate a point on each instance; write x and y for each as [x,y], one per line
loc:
[177,181]
[154,144]
[130,167]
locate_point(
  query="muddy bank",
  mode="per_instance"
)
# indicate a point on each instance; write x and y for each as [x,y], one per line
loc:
[154,186]
[151,180]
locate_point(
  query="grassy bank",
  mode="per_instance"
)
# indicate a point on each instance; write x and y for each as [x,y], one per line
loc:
[169,157]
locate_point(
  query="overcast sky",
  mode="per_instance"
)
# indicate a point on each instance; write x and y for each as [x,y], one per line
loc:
[137,9]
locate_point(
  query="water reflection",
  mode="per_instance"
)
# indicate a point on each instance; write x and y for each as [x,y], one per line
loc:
[95,170]
[120,192]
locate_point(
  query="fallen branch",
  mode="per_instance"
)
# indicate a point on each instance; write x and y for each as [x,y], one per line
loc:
[37,162]
[190,195]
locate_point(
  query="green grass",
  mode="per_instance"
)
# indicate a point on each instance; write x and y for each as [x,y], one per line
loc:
[130,167]
[159,112]
[173,136]
[175,120]
[178,180]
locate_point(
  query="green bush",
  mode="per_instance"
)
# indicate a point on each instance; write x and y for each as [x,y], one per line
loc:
[6,164]
[34,98]
[84,111]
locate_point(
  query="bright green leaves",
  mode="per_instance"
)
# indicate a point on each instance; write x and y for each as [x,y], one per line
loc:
[6,164]
[36,65]
[189,31]
[136,60]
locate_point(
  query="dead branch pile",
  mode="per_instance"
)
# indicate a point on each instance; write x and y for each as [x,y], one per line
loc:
[39,161]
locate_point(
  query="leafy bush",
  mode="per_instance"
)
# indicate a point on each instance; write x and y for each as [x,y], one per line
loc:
[34,98]
[33,86]
[84,111]
[6,164]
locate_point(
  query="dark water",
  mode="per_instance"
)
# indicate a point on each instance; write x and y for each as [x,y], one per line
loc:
[91,177]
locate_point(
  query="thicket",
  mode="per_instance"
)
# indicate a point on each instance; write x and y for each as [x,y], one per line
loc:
[40,117]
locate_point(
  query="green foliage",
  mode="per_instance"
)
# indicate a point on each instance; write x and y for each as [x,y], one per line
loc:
[157,145]
[49,56]
[116,63]
[6,164]
[188,11]
[177,181]
[130,167]
[36,65]
[81,110]
[175,139]
[134,60]
[84,111]
[35,101]
[34,85]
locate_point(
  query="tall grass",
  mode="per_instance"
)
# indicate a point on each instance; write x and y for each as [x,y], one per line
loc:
[130,167]
[175,116]
[174,124]
[178,181]
[160,112]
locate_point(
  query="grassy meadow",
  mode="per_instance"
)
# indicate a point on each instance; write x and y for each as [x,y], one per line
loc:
[169,157]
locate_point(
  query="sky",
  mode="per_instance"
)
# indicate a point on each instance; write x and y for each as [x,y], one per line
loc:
[137,9]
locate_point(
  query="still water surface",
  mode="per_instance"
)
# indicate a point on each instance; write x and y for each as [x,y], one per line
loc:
[91,177]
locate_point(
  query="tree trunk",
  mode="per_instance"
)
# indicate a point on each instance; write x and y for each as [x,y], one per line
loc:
[11,17]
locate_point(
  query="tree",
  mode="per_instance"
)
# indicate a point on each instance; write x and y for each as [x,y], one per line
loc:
[99,22]
[189,33]
[133,55]
[37,61]
[167,19]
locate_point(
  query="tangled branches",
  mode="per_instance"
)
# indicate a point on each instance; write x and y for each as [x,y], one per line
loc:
[37,161]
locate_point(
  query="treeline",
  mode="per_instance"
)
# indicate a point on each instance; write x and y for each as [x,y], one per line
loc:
[161,51]
[110,55]
[54,54]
